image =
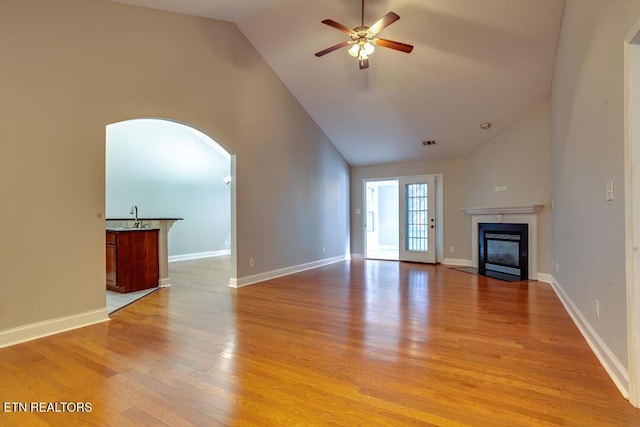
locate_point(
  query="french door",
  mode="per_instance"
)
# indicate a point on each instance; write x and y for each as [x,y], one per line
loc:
[418,219]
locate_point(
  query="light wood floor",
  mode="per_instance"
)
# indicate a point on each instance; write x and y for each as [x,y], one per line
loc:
[355,343]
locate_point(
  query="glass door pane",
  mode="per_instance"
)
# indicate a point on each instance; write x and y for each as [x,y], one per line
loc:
[417,211]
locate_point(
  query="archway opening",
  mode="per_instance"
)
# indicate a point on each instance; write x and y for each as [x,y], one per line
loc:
[158,170]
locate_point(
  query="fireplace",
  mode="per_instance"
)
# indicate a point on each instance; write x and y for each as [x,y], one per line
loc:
[524,214]
[503,250]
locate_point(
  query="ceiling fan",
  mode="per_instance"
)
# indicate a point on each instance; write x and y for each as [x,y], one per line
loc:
[363,38]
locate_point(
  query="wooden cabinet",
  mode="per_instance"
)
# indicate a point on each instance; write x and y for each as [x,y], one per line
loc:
[132,260]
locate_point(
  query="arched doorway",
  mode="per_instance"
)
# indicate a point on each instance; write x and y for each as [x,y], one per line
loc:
[163,169]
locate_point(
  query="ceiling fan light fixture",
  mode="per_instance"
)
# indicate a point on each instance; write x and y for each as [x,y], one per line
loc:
[368,48]
[362,50]
[354,50]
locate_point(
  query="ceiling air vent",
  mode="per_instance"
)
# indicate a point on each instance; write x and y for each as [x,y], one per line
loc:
[429,142]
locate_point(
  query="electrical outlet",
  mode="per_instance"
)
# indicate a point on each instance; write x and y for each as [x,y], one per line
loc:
[503,188]
[323,249]
[226,243]
[252,262]
[452,249]
[557,267]
[597,309]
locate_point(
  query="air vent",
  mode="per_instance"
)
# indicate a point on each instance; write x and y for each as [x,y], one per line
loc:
[429,142]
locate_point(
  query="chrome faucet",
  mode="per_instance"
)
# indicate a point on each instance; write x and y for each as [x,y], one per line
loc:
[134,211]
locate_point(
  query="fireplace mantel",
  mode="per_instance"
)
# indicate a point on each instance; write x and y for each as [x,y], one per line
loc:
[501,210]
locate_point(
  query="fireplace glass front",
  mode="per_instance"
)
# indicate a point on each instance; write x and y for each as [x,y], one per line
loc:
[503,249]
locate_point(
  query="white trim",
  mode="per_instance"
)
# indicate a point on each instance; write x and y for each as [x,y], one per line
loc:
[544,277]
[357,256]
[458,262]
[164,282]
[51,327]
[268,275]
[439,178]
[609,361]
[524,209]
[198,255]
[632,209]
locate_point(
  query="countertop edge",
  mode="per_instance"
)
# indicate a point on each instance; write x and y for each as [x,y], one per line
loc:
[144,219]
[126,230]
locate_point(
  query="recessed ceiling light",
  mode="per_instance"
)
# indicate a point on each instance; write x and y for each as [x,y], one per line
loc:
[485,125]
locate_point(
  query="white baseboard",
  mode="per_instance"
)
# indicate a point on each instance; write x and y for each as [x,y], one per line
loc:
[261,277]
[198,255]
[608,360]
[51,327]
[164,282]
[458,262]
[357,256]
[544,277]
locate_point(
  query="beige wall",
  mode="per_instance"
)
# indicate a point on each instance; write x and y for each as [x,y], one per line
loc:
[587,137]
[69,68]
[454,233]
[518,158]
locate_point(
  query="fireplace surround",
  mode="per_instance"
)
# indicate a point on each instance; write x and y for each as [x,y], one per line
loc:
[526,214]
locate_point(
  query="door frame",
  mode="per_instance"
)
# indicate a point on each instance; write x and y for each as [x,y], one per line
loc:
[439,180]
[632,211]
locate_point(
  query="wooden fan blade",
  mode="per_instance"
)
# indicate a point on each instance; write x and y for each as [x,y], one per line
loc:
[338,26]
[364,63]
[402,47]
[332,48]
[383,22]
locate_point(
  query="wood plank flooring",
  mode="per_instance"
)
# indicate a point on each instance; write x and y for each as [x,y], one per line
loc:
[360,343]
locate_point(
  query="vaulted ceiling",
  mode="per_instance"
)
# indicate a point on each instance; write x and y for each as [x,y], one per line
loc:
[474,61]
